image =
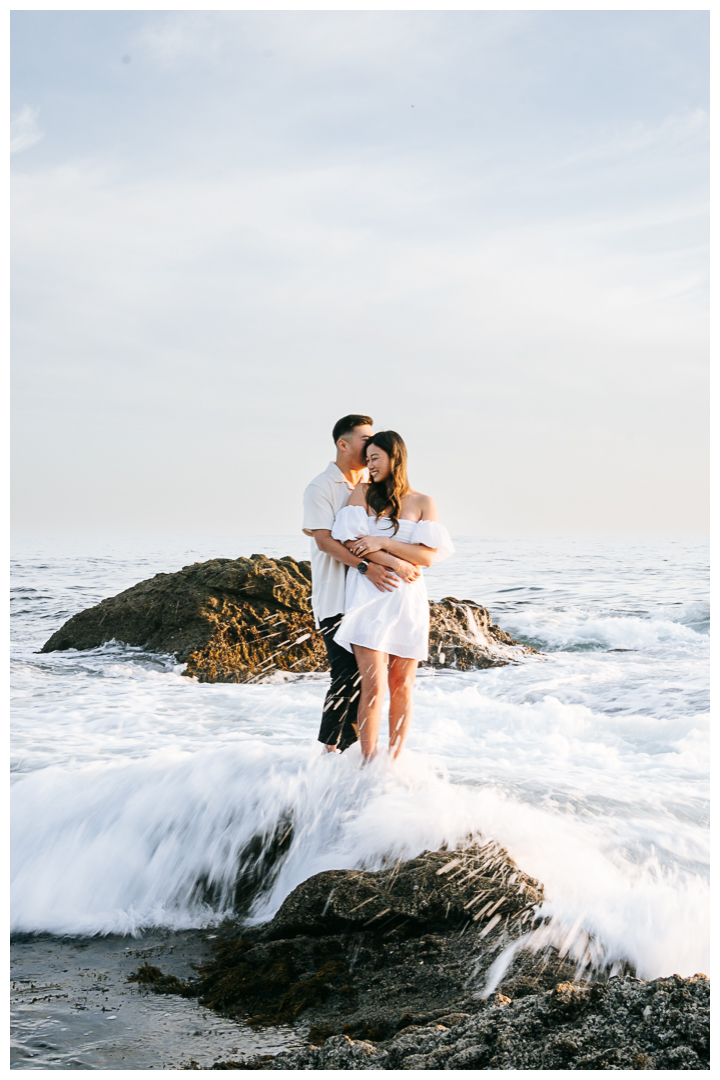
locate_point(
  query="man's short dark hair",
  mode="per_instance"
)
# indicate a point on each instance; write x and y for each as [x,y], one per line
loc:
[348,424]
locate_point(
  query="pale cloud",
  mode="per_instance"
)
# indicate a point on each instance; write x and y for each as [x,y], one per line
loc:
[24,129]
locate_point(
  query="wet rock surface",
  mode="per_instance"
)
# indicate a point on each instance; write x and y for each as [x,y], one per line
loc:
[480,885]
[623,1024]
[389,970]
[369,952]
[463,636]
[370,965]
[241,620]
[229,620]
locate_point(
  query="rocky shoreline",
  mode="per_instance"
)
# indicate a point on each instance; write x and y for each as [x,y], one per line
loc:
[437,962]
[243,620]
[624,1024]
[394,969]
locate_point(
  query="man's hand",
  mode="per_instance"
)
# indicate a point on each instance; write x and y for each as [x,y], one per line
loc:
[382,578]
[407,571]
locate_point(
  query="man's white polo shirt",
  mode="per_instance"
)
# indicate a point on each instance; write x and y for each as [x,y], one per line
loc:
[324,498]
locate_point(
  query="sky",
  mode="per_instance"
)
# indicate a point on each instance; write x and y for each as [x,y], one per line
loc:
[486,229]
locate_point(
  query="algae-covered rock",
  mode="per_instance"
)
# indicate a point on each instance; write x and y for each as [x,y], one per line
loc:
[392,969]
[239,620]
[229,620]
[367,953]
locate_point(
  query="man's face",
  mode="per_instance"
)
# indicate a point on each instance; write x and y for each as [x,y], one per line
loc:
[354,444]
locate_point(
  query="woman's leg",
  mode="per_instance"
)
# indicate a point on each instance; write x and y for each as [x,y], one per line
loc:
[401,677]
[372,666]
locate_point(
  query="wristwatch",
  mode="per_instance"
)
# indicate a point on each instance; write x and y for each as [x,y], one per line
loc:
[362,566]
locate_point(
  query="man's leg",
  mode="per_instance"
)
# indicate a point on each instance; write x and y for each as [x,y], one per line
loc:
[338,728]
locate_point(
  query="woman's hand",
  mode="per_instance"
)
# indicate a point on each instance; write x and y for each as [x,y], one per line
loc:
[407,571]
[366,545]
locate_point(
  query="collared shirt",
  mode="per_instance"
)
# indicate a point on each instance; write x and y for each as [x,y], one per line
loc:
[324,498]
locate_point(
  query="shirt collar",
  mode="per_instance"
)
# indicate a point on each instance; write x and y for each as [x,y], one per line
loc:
[337,474]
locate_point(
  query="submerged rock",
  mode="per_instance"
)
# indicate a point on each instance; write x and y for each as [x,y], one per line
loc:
[240,620]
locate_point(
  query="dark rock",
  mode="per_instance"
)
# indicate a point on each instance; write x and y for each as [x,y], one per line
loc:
[229,620]
[438,889]
[367,954]
[239,620]
[387,971]
[625,1024]
[463,637]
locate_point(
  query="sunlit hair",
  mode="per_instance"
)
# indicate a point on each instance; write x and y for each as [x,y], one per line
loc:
[385,496]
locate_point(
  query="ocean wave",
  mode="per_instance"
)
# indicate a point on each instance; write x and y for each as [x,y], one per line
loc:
[163,841]
[143,798]
[182,839]
[571,629]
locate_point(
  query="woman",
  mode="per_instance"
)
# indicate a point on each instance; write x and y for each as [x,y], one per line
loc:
[388,631]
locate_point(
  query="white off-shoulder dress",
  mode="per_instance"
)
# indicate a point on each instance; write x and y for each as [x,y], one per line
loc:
[395,622]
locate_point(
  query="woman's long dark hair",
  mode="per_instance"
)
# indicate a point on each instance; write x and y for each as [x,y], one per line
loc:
[385,496]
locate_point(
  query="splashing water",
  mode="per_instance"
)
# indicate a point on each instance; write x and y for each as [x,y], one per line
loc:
[142,798]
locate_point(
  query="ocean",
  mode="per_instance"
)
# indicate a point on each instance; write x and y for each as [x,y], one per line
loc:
[137,793]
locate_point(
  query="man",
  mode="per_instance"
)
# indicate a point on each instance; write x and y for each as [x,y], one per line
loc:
[324,497]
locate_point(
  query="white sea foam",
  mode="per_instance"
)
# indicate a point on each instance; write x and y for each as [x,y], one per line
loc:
[116,846]
[138,793]
[111,848]
[562,630]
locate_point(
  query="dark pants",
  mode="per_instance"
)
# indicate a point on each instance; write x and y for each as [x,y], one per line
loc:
[339,720]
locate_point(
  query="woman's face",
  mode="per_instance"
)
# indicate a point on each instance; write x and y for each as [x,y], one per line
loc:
[378,463]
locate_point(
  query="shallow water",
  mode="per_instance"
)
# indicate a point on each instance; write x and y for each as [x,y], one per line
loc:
[72,1007]
[137,792]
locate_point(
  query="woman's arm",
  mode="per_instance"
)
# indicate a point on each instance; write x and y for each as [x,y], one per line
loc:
[408,571]
[418,554]
[403,566]
[380,576]
[368,547]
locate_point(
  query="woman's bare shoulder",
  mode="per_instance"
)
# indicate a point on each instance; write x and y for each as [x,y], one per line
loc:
[358,496]
[425,505]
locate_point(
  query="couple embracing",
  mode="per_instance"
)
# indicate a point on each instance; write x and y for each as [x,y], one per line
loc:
[371,536]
